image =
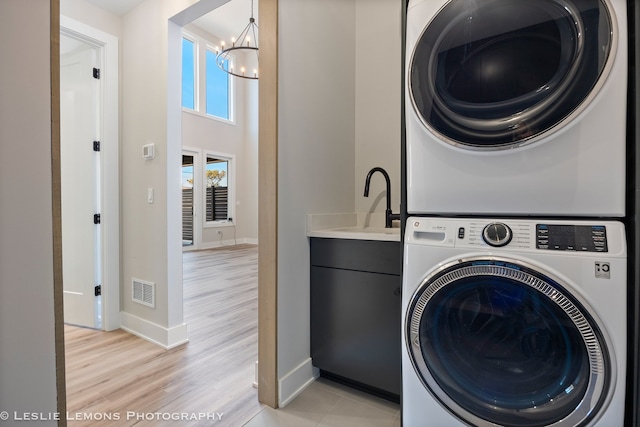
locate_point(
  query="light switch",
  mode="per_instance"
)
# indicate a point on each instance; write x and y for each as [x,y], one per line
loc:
[150,195]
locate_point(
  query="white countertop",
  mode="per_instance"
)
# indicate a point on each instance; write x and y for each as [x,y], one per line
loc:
[359,226]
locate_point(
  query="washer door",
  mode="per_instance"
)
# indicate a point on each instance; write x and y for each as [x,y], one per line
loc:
[497,342]
[492,74]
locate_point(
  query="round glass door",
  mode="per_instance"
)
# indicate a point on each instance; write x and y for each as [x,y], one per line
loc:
[498,73]
[499,343]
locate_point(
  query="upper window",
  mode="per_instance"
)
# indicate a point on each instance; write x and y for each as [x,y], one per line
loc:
[188,74]
[217,88]
[206,89]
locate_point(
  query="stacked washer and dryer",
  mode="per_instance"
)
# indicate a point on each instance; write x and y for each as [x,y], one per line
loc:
[515,263]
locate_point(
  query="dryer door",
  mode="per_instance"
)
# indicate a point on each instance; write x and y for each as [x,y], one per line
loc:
[499,343]
[492,74]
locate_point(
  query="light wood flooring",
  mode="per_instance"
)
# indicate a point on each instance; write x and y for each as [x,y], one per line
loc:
[117,375]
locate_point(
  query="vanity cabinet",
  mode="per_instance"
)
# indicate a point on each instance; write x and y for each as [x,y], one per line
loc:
[356,312]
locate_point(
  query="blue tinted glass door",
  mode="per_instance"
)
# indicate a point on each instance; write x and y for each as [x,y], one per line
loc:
[498,342]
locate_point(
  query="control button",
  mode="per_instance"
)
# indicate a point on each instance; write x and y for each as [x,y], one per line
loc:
[497,234]
[461,233]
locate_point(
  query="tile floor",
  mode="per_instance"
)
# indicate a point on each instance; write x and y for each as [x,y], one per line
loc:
[328,404]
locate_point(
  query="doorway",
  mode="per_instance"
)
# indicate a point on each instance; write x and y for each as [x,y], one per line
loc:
[89,175]
[267,178]
[80,180]
[225,230]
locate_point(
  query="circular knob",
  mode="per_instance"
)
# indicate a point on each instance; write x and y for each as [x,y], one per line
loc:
[497,234]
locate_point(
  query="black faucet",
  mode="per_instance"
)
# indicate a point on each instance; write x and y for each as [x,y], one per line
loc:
[388,216]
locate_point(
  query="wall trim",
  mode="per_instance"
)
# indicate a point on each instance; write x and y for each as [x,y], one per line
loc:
[166,338]
[296,381]
[228,242]
[56,210]
[268,205]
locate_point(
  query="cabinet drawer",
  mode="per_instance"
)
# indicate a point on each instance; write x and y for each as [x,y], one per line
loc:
[360,255]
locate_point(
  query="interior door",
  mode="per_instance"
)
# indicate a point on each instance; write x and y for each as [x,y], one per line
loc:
[80,169]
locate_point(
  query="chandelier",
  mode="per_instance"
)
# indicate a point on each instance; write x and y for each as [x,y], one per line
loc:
[243,49]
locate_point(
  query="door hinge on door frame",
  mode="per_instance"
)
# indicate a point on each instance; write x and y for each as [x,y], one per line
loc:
[96,73]
[96,145]
[96,218]
[97,290]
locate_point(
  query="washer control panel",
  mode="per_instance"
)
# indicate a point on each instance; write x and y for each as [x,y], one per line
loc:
[517,235]
[586,238]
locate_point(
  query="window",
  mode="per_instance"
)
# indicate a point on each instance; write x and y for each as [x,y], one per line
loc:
[206,89]
[218,185]
[217,88]
[188,74]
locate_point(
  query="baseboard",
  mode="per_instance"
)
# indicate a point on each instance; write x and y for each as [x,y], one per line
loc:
[294,383]
[229,242]
[164,337]
[255,374]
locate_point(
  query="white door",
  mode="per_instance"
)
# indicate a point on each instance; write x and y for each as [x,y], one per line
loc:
[80,171]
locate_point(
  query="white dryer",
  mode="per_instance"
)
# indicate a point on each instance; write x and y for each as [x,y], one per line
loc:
[513,323]
[516,107]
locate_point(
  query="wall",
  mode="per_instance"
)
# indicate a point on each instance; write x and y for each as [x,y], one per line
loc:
[239,139]
[316,154]
[27,352]
[146,234]
[378,101]
[89,14]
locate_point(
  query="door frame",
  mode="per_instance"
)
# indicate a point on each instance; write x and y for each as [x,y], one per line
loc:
[106,47]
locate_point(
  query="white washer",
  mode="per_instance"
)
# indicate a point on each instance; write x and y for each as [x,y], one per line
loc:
[528,329]
[516,107]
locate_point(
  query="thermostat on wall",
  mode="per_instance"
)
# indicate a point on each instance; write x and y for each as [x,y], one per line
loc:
[149,151]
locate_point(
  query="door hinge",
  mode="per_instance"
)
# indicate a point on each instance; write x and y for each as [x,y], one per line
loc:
[96,218]
[96,73]
[97,291]
[96,145]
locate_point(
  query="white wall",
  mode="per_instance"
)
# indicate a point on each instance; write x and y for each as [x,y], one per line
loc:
[316,156]
[91,15]
[27,351]
[378,101]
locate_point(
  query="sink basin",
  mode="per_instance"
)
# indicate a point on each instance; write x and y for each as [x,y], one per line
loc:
[344,226]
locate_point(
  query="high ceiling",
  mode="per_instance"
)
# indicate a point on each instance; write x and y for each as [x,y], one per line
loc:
[119,7]
[225,22]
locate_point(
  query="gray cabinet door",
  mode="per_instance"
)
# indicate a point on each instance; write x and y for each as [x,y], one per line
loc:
[355,326]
